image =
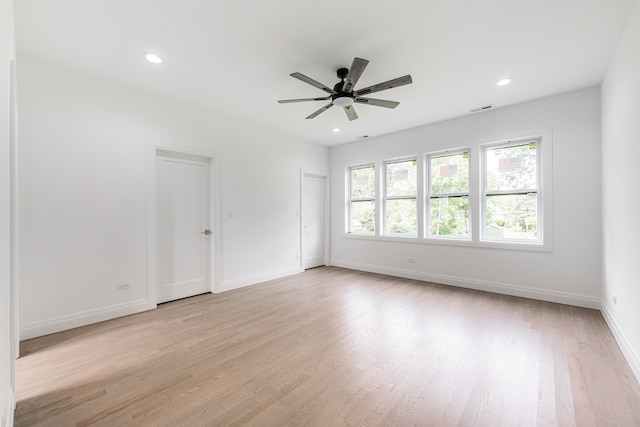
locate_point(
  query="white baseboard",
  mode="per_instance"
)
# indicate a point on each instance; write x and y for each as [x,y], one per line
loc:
[258,278]
[62,323]
[7,411]
[480,285]
[623,343]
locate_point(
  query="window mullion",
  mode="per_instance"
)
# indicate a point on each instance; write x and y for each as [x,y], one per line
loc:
[420,191]
[474,188]
[379,201]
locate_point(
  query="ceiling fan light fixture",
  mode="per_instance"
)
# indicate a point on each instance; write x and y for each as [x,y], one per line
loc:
[335,130]
[503,82]
[152,57]
[343,101]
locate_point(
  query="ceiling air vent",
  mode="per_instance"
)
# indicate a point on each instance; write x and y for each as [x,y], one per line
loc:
[483,108]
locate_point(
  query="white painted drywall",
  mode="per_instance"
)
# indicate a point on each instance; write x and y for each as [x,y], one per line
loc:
[82,194]
[7,323]
[570,273]
[620,201]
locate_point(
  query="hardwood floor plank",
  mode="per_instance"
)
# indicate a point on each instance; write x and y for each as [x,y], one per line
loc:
[333,347]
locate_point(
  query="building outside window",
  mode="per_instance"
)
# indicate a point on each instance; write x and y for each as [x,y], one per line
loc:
[401,182]
[496,194]
[362,199]
[511,192]
[448,195]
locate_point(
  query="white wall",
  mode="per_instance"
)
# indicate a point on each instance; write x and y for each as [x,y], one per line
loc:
[570,273]
[621,204]
[82,194]
[7,323]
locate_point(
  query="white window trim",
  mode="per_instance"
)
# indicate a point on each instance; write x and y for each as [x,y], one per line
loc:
[427,192]
[522,191]
[475,195]
[385,197]
[350,200]
[544,161]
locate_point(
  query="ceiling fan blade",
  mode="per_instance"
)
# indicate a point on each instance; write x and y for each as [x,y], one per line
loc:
[286,101]
[322,110]
[377,102]
[312,82]
[400,81]
[356,70]
[351,112]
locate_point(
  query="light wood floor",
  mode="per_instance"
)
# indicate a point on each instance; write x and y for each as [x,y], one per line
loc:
[333,347]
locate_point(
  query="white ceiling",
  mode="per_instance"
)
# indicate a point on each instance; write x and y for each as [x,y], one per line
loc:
[237,55]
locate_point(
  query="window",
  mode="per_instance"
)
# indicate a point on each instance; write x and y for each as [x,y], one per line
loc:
[401,184]
[511,192]
[492,194]
[448,195]
[362,199]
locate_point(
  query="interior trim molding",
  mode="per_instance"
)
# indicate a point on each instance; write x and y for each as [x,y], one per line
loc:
[579,300]
[242,282]
[326,179]
[215,216]
[8,410]
[621,339]
[63,323]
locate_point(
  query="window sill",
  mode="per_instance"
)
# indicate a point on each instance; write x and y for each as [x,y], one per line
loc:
[519,246]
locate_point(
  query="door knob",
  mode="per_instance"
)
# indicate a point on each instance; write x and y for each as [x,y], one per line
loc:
[206,232]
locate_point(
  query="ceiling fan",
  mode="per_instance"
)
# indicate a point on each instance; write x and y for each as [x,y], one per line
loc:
[343,93]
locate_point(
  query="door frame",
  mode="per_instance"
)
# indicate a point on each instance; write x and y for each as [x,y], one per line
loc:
[327,214]
[152,216]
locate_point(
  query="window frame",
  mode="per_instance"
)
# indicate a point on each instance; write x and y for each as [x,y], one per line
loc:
[539,191]
[475,147]
[385,197]
[351,199]
[428,195]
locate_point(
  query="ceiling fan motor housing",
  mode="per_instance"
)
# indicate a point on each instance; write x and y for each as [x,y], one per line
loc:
[342,99]
[342,74]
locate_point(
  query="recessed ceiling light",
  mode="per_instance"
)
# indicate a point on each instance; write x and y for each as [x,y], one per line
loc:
[335,130]
[503,82]
[152,57]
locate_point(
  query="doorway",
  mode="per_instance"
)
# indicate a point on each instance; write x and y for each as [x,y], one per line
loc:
[313,221]
[183,225]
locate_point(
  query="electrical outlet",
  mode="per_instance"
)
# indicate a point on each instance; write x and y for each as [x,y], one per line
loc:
[411,259]
[123,286]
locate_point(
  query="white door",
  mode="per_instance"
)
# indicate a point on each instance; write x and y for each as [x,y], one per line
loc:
[312,221]
[184,239]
